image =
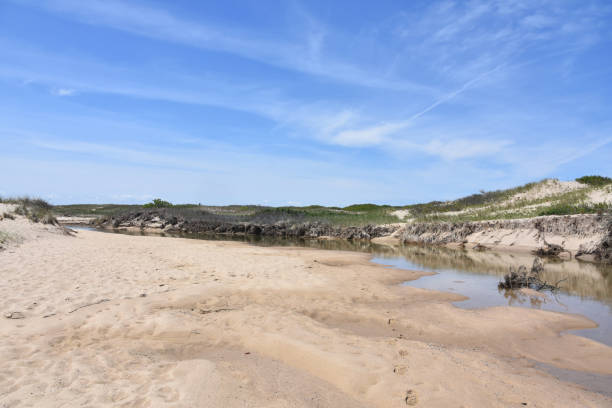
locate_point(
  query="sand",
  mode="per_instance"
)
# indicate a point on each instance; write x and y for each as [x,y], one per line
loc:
[550,190]
[134,321]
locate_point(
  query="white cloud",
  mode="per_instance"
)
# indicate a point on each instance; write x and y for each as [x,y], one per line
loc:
[63,92]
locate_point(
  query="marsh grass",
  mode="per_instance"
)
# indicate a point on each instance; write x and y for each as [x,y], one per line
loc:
[265,215]
[84,210]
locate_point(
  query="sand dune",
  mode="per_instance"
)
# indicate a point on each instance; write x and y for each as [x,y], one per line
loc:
[117,320]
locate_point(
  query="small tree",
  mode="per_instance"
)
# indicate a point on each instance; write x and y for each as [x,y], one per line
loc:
[158,203]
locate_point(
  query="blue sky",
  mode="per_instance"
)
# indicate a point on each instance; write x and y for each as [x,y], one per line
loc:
[311,102]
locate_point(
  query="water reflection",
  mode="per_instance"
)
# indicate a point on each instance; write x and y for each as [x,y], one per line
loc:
[582,279]
[587,289]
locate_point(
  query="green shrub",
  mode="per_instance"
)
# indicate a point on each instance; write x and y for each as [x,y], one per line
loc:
[363,207]
[158,203]
[595,181]
[568,209]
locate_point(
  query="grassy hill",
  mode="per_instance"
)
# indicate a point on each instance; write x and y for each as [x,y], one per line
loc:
[589,194]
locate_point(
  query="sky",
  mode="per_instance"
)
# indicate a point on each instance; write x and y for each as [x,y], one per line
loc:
[300,102]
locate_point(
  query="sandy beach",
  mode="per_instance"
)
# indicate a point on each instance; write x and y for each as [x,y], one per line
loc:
[97,319]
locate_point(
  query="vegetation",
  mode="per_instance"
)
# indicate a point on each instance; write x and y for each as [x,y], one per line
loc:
[158,203]
[504,204]
[567,209]
[28,202]
[365,207]
[88,210]
[35,209]
[595,181]
[498,204]
[356,215]
[422,211]
[267,215]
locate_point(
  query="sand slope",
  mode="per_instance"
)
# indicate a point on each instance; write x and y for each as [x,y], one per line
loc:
[164,322]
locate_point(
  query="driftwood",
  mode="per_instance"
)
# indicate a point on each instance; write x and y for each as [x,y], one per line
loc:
[522,278]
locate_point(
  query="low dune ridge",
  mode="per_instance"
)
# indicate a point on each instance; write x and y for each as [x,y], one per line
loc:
[97,319]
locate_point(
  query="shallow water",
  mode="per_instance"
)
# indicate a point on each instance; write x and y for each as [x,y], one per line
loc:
[586,288]
[586,291]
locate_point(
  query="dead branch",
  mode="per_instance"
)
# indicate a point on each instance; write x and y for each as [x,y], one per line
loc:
[522,278]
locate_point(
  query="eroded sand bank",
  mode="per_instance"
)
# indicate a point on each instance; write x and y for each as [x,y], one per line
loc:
[152,321]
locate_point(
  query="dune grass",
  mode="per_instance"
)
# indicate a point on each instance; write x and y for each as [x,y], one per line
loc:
[35,209]
[485,205]
[568,203]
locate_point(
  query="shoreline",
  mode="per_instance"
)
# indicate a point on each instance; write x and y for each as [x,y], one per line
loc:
[586,237]
[295,306]
[389,240]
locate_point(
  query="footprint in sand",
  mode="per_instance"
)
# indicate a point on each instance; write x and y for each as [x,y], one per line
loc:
[168,394]
[14,315]
[400,369]
[411,398]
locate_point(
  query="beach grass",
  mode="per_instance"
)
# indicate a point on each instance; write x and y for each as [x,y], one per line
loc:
[35,209]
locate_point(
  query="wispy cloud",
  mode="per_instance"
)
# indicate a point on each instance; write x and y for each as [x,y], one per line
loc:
[379,134]
[369,136]
[306,56]
[463,149]
[262,99]
[460,39]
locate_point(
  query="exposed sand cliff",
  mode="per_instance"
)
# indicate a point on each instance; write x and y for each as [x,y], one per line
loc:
[588,236]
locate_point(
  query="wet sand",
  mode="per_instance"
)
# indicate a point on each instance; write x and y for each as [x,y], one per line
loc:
[119,320]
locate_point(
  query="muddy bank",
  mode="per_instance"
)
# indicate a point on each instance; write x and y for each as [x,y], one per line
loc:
[587,236]
[161,221]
